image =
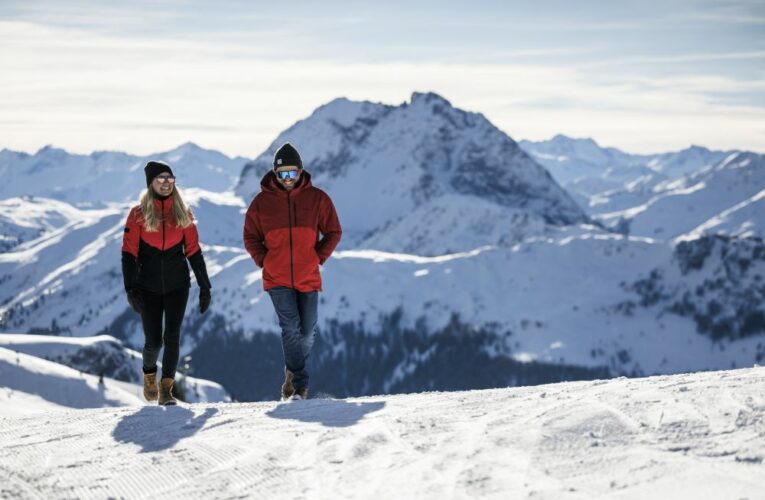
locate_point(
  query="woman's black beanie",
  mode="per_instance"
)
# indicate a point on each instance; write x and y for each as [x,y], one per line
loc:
[154,168]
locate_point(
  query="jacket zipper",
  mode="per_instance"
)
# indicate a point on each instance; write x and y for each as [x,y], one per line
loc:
[162,253]
[289,217]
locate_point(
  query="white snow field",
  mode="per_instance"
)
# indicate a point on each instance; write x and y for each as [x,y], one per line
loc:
[699,435]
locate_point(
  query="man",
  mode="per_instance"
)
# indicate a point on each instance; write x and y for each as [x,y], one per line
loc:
[281,233]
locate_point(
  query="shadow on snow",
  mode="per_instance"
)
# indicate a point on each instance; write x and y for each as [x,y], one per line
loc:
[327,412]
[157,428]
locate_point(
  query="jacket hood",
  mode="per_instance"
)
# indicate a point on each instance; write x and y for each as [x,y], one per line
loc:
[270,184]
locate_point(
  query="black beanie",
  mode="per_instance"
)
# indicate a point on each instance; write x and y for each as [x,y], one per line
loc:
[154,168]
[287,155]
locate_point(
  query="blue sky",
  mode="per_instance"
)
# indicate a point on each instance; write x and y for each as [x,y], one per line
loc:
[230,75]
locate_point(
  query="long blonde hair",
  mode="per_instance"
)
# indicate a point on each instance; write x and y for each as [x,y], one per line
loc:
[152,217]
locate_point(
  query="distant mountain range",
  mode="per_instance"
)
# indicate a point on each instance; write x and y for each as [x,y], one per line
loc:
[106,176]
[468,260]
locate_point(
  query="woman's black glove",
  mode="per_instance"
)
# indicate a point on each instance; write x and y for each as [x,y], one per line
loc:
[129,275]
[135,299]
[204,299]
[197,262]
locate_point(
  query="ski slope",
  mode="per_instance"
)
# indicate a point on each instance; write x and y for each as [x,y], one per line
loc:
[692,436]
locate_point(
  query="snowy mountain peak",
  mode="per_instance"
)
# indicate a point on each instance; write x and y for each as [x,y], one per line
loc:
[562,139]
[50,149]
[342,112]
[379,162]
[584,147]
[186,147]
[693,148]
[428,98]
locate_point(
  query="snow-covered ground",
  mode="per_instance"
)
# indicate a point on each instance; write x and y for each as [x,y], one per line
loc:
[690,436]
[57,371]
[29,384]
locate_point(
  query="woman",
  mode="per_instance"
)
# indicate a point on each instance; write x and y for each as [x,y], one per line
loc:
[160,235]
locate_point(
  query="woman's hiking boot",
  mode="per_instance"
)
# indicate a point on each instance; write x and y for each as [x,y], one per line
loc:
[166,392]
[150,391]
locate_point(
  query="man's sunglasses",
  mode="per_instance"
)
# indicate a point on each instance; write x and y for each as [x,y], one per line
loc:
[284,174]
[165,178]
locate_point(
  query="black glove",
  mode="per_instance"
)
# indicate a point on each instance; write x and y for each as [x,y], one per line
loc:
[197,262]
[135,299]
[129,270]
[204,299]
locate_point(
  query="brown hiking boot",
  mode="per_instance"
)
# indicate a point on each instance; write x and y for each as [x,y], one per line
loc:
[287,388]
[301,393]
[166,392]
[150,391]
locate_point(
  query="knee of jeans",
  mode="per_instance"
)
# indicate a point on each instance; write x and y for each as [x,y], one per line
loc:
[308,332]
[291,328]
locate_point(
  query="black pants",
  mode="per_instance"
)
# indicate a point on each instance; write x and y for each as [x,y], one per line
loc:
[170,307]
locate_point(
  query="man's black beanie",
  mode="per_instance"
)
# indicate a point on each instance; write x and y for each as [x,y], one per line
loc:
[287,156]
[154,168]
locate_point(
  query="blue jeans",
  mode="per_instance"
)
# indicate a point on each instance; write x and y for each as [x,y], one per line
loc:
[298,313]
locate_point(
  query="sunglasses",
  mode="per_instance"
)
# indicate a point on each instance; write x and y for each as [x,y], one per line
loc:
[165,178]
[284,174]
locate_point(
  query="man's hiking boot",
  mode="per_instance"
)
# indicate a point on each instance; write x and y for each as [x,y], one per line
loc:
[150,391]
[166,392]
[301,393]
[287,388]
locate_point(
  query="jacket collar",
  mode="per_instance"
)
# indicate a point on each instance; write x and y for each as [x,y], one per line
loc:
[270,184]
[164,206]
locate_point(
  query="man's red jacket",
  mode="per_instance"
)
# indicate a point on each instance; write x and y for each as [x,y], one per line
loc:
[282,233]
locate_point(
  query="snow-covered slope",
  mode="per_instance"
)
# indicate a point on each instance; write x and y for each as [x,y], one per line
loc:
[663,195]
[535,308]
[26,218]
[106,176]
[717,281]
[32,384]
[102,355]
[675,207]
[745,219]
[684,436]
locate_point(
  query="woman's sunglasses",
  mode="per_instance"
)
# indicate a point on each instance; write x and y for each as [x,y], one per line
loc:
[284,174]
[165,178]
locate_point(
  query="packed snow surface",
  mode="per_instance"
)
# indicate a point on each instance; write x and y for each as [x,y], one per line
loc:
[692,436]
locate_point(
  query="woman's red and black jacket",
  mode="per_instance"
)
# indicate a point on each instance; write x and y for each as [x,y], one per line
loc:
[156,260]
